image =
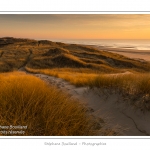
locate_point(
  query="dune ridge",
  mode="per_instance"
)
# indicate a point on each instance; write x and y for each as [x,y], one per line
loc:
[115,88]
[15,53]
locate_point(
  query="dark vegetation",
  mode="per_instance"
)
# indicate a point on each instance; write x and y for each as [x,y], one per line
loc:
[17,53]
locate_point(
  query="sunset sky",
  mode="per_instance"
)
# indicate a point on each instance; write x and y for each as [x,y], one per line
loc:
[75,26]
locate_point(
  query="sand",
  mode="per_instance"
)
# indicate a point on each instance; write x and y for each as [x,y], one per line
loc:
[117,115]
[131,53]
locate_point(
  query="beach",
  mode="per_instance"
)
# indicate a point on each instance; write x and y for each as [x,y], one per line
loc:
[131,53]
[136,49]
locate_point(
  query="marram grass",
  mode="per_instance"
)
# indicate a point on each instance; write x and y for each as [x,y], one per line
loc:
[133,87]
[27,101]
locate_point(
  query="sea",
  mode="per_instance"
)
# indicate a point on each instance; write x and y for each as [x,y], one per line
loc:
[124,44]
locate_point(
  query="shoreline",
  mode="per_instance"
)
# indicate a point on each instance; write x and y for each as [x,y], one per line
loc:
[131,53]
[128,51]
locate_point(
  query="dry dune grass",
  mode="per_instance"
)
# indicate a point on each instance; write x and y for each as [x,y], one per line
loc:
[55,52]
[49,55]
[67,60]
[80,77]
[26,100]
[78,64]
[133,87]
[12,58]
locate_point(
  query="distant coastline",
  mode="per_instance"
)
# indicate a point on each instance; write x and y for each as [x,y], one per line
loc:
[125,44]
[136,49]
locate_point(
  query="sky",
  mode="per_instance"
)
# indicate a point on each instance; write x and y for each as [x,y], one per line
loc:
[73,26]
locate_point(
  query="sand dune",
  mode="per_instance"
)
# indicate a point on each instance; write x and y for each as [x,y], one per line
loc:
[20,54]
[15,53]
[117,115]
[131,53]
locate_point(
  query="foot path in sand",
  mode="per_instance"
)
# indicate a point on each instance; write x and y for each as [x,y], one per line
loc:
[117,115]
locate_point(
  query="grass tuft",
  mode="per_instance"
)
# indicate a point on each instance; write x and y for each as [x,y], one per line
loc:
[133,87]
[26,100]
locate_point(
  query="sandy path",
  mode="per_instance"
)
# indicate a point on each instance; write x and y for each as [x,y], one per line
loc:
[22,68]
[117,115]
[1,54]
